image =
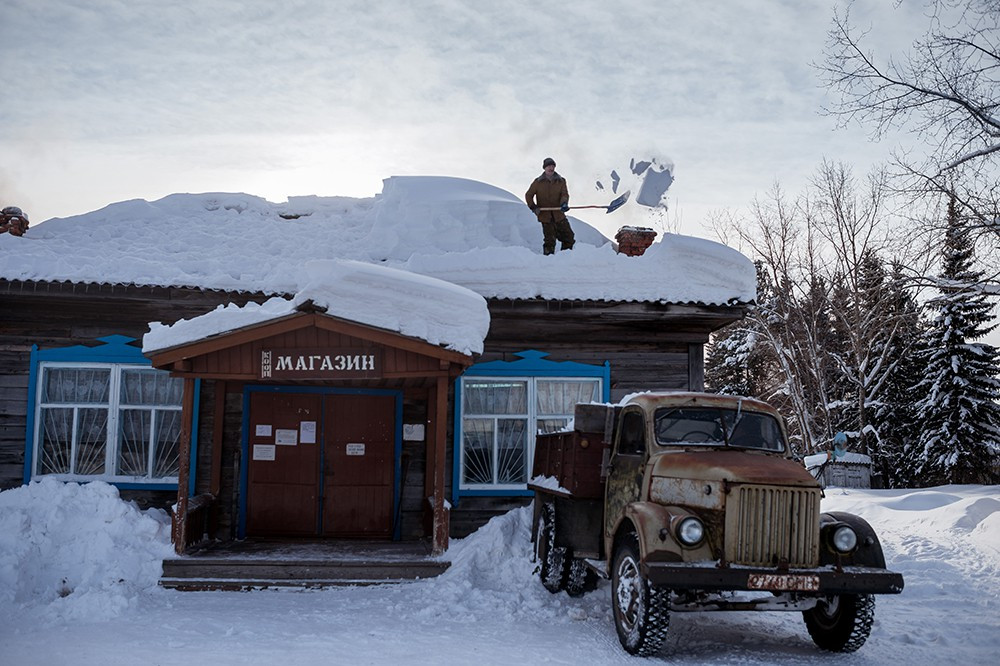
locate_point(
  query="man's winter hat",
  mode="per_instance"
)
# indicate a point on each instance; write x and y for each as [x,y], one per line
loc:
[547,161]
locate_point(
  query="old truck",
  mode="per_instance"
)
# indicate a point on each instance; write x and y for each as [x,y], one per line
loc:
[694,502]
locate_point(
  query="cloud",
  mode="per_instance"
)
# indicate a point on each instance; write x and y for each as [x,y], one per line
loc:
[241,93]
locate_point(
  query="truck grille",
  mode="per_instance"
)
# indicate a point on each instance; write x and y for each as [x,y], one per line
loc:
[766,525]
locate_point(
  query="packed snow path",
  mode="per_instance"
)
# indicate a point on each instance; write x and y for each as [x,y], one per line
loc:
[487,609]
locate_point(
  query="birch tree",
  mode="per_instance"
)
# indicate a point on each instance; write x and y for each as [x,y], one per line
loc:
[945,91]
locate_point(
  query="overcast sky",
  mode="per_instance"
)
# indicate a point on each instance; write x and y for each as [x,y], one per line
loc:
[108,100]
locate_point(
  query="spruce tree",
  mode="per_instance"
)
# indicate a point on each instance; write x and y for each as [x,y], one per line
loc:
[737,363]
[892,411]
[958,411]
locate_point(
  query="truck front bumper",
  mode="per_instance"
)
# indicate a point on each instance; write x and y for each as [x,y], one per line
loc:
[824,580]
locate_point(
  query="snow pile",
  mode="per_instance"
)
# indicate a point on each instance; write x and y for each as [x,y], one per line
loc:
[222,319]
[387,298]
[679,269]
[77,551]
[462,231]
[426,215]
[492,575]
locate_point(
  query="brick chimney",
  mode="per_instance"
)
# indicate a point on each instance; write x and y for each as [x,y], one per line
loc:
[633,241]
[14,220]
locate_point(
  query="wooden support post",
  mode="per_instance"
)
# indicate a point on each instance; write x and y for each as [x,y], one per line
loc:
[179,532]
[439,537]
[218,428]
[429,451]
[696,367]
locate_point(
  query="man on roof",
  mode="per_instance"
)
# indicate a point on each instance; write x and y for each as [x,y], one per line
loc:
[548,199]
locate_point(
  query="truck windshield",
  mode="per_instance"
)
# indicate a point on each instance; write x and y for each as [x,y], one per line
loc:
[708,426]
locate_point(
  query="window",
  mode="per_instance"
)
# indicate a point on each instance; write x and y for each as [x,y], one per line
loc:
[102,418]
[718,427]
[633,436]
[502,406]
[112,421]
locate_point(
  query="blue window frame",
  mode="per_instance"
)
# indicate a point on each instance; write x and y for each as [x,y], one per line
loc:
[103,413]
[500,407]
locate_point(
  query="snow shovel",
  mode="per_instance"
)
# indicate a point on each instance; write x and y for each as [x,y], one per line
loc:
[613,206]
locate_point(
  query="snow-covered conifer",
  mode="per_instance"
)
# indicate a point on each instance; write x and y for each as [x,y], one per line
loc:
[737,362]
[959,410]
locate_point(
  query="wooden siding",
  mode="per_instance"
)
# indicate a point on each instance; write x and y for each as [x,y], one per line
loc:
[242,361]
[65,314]
[649,346]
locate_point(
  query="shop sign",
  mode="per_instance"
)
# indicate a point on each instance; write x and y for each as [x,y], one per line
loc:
[344,363]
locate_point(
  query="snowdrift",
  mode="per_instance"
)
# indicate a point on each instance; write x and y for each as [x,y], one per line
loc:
[77,551]
[78,561]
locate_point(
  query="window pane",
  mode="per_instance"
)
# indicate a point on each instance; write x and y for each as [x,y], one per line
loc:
[91,440]
[168,437]
[691,425]
[133,442]
[512,447]
[546,426]
[76,385]
[150,387]
[56,441]
[560,397]
[495,397]
[754,431]
[477,443]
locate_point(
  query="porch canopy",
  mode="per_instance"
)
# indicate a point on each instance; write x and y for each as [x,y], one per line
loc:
[354,326]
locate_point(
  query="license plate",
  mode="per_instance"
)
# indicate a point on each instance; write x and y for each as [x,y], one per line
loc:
[790,582]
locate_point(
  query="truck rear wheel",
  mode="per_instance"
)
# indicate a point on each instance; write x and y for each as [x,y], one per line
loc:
[841,623]
[641,610]
[580,579]
[552,560]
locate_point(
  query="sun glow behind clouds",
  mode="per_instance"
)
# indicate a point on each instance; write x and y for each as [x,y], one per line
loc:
[143,99]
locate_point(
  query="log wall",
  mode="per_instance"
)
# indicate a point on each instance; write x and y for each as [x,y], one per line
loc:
[649,346]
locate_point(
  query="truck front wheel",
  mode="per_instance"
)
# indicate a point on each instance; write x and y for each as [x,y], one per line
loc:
[552,560]
[841,623]
[642,611]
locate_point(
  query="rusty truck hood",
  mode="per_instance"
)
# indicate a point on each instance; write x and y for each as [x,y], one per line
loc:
[733,466]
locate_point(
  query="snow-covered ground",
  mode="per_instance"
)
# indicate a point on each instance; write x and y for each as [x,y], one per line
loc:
[78,570]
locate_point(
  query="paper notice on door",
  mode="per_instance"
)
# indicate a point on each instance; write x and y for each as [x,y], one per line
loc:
[263,431]
[263,451]
[354,449]
[307,429]
[286,437]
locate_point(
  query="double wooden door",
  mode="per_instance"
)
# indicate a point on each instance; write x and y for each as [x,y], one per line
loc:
[321,465]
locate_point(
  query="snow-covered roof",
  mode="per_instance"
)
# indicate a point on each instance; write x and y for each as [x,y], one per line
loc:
[413,305]
[817,459]
[462,231]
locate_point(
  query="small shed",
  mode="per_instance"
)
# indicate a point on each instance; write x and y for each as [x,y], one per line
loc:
[850,470]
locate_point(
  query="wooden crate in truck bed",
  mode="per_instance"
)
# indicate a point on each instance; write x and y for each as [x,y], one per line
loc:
[575,458]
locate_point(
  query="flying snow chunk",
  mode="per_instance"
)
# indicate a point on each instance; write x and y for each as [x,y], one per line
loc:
[651,177]
[656,180]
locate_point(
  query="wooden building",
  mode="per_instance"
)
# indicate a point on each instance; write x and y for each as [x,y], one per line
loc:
[404,440]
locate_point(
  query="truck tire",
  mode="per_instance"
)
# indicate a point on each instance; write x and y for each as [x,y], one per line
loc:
[841,623]
[641,610]
[580,579]
[552,560]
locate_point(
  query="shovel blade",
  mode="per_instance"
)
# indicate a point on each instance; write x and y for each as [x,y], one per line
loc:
[619,202]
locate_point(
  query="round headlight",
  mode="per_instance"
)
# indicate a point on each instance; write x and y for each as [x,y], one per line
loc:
[845,539]
[690,531]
